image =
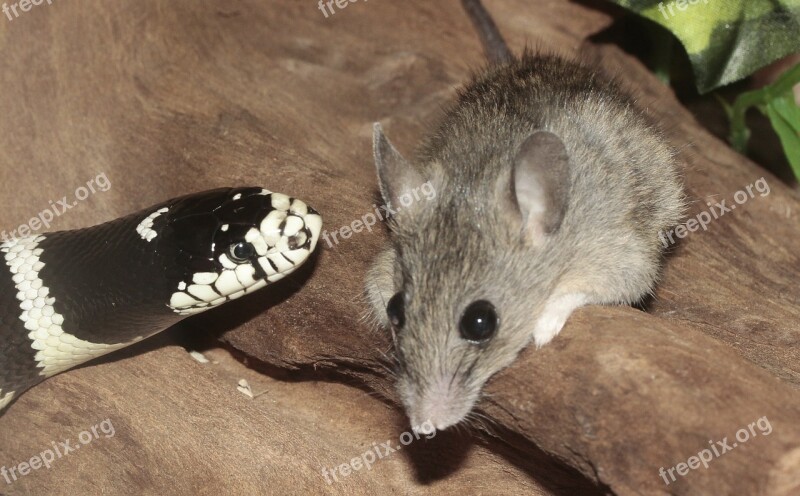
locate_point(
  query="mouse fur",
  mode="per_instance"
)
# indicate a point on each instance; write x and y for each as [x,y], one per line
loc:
[551,190]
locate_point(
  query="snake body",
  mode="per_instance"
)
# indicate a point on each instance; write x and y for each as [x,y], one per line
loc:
[70,296]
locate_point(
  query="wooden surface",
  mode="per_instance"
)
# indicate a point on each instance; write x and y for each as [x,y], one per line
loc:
[186,429]
[167,98]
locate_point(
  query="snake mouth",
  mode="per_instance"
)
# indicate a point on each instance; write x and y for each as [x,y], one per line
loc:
[290,232]
[275,247]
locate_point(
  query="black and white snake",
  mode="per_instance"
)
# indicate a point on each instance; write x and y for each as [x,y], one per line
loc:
[70,296]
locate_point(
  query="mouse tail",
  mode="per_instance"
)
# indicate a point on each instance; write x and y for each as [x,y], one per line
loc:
[496,48]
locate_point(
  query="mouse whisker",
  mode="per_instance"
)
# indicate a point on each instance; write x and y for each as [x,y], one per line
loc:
[388,361]
[458,368]
[391,373]
[468,373]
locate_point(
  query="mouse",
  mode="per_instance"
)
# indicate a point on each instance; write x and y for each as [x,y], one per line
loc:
[551,189]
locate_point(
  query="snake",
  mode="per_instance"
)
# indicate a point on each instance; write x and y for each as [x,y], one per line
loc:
[70,296]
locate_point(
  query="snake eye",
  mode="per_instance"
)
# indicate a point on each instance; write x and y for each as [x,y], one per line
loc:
[396,310]
[479,322]
[241,252]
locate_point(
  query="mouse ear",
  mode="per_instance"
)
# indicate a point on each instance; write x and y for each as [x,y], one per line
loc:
[395,175]
[540,183]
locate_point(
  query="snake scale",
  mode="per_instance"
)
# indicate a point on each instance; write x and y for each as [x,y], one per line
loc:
[70,296]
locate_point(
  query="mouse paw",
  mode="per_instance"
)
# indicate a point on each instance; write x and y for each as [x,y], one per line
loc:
[554,316]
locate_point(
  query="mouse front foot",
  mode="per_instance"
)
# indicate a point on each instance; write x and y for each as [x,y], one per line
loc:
[552,319]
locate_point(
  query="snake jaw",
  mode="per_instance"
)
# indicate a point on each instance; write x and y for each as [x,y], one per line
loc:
[282,242]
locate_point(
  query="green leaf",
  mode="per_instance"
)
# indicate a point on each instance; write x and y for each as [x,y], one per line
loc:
[726,40]
[779,93]
[784,115]
[788,109]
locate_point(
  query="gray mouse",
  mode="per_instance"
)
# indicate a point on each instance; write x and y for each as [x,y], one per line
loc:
[551,191]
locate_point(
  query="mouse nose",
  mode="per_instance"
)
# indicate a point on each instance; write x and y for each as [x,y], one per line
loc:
[439,420]
[441,405]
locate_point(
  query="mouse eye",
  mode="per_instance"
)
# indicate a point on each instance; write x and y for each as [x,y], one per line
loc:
[479,321]
[241,252]
[396,310]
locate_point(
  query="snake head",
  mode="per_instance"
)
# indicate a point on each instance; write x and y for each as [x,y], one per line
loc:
[231,242]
